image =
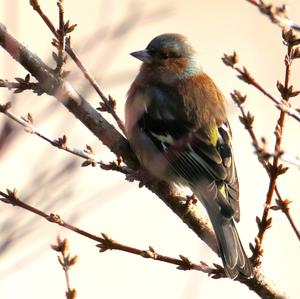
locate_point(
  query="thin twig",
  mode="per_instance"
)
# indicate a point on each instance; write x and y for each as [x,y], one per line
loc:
[21,85]
[86,73]
[105,242]
[55,86]
[263,157]
[63,144]
[275,171]
[277,14]
[244,75]
[284,206]
[258,284]
[66,261]
[114,140]
[60,143]
[281,105]
[36,6]
[247,120]
[61,38]
[105,132]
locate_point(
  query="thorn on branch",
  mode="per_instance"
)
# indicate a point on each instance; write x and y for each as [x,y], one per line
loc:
[88,149]
[113,165]
[150,253]
[107,243]
[268,223]
[282,205]
[277,14]
[86,163]
[230,60]
[71,294]
[281,170]
[186,263]
[25,80]
[290,39]
[275,171]
[274,12]
[238,98]
[66,261]
[73,260]
[263,225]
[61,40]
[89,162]
[69,28]
[247,120]
[55,43]
[62,142]
[12,193]
[287,92]
[118,162]
[218,272]
[10,197]
[61,245]
[21,85]
[257,252]
[55,218]
[108,105]
[246,76]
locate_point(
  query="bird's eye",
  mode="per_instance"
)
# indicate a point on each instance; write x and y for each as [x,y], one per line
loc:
[164,55]
[168,54]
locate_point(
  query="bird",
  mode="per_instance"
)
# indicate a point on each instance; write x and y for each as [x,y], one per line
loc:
[176,123]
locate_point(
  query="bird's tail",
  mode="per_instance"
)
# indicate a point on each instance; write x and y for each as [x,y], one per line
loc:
[232,253]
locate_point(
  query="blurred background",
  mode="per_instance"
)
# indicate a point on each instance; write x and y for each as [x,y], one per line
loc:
[100,201]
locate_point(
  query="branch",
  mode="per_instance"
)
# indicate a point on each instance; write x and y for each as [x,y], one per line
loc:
[60,143]
[80,108]
[259,284]
[277,14]
[66,261]
[276,169]
[105,242]
[107,101]
[76,104]
[66,95]
[263,157]
[244,75]
[63,144]
[284,206]
[61,35]
[21,85]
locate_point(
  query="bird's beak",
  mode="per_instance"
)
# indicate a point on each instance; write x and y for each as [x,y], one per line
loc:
[142,55]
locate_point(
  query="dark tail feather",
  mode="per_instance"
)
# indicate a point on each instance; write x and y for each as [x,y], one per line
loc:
[232,253]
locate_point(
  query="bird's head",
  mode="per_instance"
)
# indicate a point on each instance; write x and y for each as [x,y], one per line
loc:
[170,54]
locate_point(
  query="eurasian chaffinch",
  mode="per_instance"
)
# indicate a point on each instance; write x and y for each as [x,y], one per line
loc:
[175,120]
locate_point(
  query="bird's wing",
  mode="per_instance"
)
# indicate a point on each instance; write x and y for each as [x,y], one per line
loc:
[196,155]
